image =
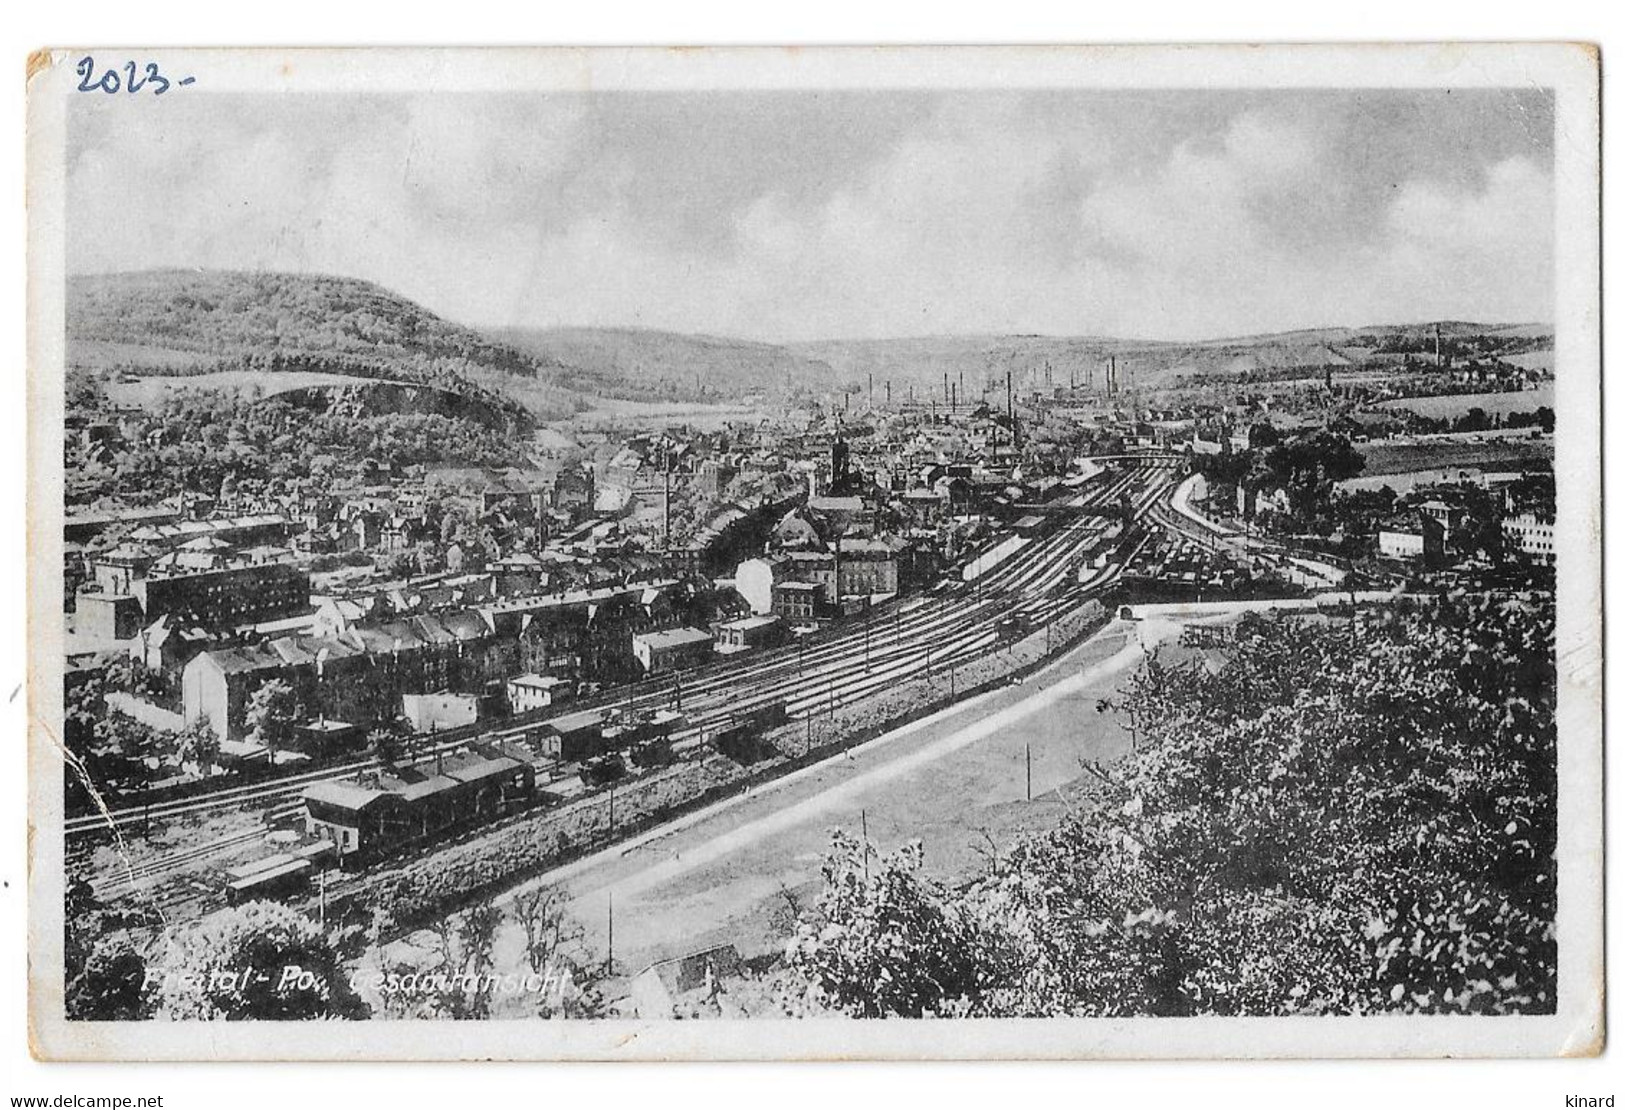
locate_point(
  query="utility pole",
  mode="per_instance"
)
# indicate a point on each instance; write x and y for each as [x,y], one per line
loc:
[1029,772]
[863,817]
[609,964]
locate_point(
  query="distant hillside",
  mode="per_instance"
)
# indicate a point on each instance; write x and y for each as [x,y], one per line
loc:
[279,331]
[641,364]
[1033,360]
[185,323]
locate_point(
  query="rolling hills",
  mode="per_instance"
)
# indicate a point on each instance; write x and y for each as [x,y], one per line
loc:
[162,326]
[636,363]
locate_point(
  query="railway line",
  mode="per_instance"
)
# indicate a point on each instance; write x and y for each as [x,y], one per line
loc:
[933,633]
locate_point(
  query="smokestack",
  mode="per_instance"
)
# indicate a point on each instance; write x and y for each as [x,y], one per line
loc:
[1438,348]
[945,385]
[871,389]
[888,393]
[1010,410]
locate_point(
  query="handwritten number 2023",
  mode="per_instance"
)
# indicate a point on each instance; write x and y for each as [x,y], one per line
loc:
[111,82]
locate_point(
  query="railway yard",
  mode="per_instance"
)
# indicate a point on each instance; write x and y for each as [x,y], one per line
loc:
[179,858]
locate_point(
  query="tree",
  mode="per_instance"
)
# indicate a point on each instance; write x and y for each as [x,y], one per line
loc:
[554,950]
[270,715]
[110,986]
[388,746]
[260,961]
[197,743]
[1336,822]
[463,946]
[887,941]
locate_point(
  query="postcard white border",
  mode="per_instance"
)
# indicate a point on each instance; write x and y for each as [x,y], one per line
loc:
[1570,69]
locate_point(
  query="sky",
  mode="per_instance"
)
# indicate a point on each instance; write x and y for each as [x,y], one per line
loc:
[827,215]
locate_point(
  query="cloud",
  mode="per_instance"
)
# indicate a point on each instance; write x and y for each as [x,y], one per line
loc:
[800,216]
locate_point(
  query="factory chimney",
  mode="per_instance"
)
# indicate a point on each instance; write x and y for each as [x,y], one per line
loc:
[665,501]
[1010,410]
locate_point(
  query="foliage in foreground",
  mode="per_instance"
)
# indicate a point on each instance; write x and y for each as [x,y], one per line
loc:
[1343,820]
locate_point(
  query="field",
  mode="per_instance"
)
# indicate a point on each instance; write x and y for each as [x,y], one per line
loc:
[658,414]
[958,780]
[1441,452]
[148,392]
[1440,408]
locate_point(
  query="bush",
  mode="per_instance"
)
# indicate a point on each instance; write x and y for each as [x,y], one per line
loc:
[1344,820]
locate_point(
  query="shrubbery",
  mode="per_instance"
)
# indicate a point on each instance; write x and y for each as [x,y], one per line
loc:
[1344,820]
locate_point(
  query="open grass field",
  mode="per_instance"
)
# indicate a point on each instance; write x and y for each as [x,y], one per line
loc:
[1505,452]
[956,780]
[657,414]
[148,392]
[1444,408]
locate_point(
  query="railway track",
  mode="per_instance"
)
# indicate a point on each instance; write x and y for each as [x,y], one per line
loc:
[945,629]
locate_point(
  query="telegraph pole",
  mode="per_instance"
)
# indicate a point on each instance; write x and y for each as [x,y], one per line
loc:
[863,816]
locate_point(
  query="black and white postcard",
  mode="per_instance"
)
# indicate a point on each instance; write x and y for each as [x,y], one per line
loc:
[832,553]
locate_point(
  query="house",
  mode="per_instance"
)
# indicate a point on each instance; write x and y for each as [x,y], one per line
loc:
[672,650]
[530,692]
[754,579]
[751,632]
[433,712]
[106,617]
[471,786]
[1532,536]
[868,566]
[347,813]
[797,602]
[572,738]
[224,596]
[670,987]
[1450,517]
[1413,539]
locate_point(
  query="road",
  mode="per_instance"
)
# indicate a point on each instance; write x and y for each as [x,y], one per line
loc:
[958,781]
[923,634]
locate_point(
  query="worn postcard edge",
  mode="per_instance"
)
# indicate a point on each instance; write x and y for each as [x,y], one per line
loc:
[1575,1030]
